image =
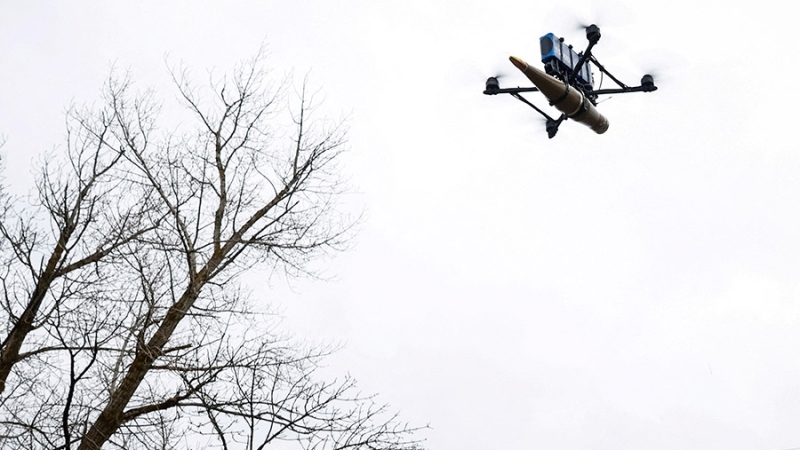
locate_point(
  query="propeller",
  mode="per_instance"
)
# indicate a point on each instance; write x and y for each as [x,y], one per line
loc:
[498,74]
[600,16]
[606,14]
[659,67]
[493,83]
[493,66]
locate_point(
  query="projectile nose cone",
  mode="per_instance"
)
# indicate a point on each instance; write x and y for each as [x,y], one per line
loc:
[520,64]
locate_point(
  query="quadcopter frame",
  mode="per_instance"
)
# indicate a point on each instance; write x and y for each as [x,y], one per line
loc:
[570,77]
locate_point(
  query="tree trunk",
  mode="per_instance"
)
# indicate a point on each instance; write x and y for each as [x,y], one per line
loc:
[112,415]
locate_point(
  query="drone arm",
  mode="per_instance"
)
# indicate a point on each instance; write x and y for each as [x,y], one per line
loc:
[493,88]
[603,69]
[552,124]
[513,91]
[586,55]
[524,100]
[624,90]
[593,36]
[646,86]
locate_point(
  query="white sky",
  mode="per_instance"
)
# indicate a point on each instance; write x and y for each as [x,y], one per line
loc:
[633,290]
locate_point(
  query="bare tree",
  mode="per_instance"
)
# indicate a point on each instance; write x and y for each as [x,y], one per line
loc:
[42,270]
[126,325]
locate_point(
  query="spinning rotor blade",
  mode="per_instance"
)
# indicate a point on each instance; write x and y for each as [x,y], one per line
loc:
[662,65]
[605,14]
[492,82]
[608,14]
[472,73]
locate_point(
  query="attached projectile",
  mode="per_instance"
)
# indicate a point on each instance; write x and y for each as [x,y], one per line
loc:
[564,97]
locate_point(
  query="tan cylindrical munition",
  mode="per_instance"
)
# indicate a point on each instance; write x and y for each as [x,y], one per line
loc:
[564,97]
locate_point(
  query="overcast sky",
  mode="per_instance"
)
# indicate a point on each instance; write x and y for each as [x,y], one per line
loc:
[632,290]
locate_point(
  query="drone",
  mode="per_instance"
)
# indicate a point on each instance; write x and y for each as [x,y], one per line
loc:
[567,82]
